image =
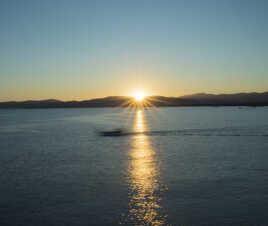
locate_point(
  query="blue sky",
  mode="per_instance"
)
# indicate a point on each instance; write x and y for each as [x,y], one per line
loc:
[77,49]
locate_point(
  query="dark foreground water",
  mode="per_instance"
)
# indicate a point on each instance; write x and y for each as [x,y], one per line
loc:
[177,166]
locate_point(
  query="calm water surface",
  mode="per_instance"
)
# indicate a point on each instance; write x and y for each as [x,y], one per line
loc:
[176,166]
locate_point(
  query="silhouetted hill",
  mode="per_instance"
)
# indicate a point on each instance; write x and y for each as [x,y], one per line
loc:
[199,99]
[230,99]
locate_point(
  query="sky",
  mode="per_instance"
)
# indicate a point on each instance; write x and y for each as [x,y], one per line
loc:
[82,49]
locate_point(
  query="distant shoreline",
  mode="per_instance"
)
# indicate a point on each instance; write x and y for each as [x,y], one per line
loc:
[195,100]
[33,108]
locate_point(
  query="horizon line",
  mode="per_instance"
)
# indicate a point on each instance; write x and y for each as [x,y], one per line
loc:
[128,96]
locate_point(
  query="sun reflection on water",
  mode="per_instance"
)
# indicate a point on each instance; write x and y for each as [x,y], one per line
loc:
[145,189]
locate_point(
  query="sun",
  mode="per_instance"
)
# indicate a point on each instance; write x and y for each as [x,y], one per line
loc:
[139,95]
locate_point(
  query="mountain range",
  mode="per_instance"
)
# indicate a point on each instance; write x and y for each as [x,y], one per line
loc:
[199,99]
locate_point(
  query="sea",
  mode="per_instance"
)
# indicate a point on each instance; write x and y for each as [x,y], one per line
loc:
[171,166]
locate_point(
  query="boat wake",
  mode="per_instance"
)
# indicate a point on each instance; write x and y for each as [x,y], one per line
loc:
[189,132]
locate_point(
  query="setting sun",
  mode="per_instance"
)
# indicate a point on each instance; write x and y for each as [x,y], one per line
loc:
[139,95]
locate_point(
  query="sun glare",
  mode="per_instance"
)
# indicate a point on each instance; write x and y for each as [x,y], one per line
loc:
[139,95]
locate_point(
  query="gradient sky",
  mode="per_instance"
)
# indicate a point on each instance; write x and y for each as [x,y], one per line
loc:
[81,49]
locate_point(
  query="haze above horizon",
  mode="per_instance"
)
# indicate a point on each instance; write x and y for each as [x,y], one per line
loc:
[74,50]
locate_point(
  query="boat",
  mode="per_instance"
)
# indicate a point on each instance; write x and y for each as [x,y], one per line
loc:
[112,133]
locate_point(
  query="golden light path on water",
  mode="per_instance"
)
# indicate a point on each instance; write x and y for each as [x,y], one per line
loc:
[144,205]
